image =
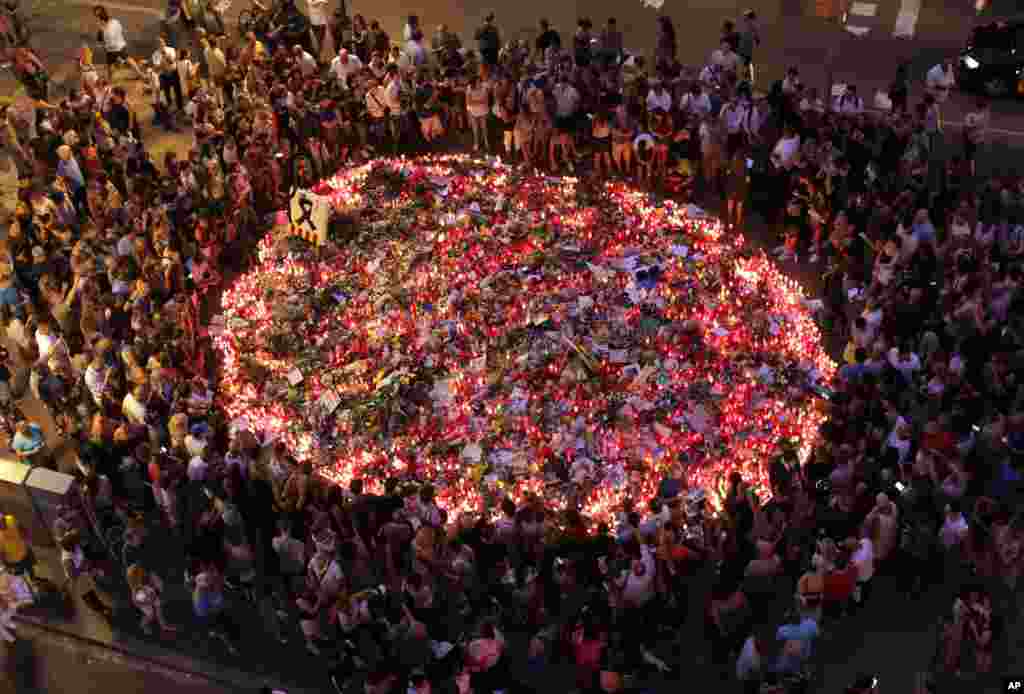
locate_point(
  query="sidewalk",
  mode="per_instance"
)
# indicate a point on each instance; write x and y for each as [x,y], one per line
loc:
[261,660]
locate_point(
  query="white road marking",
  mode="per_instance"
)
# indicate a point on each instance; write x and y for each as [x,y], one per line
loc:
[864,9]
[906,20]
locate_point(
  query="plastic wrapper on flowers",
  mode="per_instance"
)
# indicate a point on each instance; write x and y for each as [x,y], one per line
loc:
[499,333]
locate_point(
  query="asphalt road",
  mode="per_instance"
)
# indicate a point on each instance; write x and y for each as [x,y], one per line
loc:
[45,663]
[794,33]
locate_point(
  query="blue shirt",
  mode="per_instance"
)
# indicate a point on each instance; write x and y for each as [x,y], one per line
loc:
[27,445]
[854,373]
[805,632]
[206,603]
[70,170]
[924,232]
[1006,481]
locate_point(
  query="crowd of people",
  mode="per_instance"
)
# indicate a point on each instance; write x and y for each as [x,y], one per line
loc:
[112,259]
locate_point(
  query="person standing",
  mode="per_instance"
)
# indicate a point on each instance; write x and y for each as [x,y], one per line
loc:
[395,104]
[611,43]
[737,187]
[488,40]
[111,35]
[976,124]
[478,98]
[317,11]
[665,44]
[548,40]
[749,39]
[899,89]
[17,555]
[165,60]
[80,573]
[940,80]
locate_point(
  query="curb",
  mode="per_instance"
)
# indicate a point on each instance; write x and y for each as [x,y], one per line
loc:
[162,664]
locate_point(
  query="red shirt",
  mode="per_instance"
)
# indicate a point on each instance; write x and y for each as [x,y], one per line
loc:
[839,585]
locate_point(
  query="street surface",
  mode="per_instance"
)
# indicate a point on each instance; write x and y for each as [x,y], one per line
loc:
[893,637]
[51,664]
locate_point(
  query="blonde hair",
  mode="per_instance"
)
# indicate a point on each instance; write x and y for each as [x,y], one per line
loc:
[178,425]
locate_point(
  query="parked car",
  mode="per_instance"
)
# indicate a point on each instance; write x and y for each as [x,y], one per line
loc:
[993,59]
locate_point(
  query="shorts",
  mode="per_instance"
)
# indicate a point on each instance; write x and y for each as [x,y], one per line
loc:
[431,126]
[116,57]
[621,150]
[25,565]
[565,124]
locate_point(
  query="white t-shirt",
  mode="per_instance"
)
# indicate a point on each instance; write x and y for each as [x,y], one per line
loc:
[567,100]
[416,51]
[699,105]
[195,445]
[953,530]
[45,343]
[325,573]
[342,71]
[901,445]
[197,468]
[307,63]
[659,100]
[785,149]
[864,560]
[134,410]
[638,590]
[317,10]
[727,60]
[940,78]
[113,36]
[96,382]
[393,97]
[907,366]
[165,59]
[848,104]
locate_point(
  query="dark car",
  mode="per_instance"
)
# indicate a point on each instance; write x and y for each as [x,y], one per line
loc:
[993,59]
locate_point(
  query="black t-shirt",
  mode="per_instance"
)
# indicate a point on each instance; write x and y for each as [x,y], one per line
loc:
[119,117]
[487,39]
[548,39]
